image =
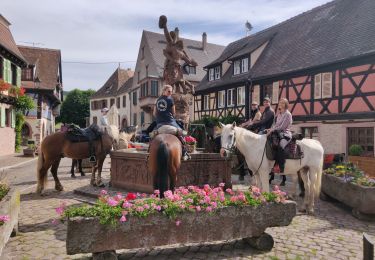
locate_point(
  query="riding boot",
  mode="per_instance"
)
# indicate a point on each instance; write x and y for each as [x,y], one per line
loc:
[272,177]
[185,155]
[281,162]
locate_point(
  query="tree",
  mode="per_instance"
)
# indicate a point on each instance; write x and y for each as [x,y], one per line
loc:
[76,107]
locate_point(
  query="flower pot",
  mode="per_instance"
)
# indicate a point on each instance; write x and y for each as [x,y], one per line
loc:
[10,206]
[29,152]
[191,148]
[87,235]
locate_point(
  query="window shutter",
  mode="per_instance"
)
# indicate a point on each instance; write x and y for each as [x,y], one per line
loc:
[2,117]
[19,76]
[5,70]
[256,94]
[13,122]
[318,86]
[275,92]
[9,68]
[326,85]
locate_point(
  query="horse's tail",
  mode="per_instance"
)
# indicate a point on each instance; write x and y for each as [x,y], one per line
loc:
[162,171]
[318,183]
[41,175]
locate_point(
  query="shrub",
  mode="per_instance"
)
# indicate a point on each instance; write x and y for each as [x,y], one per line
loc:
[355,150]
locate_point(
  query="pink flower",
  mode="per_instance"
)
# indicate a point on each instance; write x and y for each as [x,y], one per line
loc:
[189,200]
[146,206]
[241,197]
[127,204]
[198,208]
[144,195]
[234,199]
[59,210]
[178,222]
[112,202]
[230,191]
[103,192]
[140,209]
[213,204]
[158,208]
[207,199]
[182,206]
[157,192]
[222,184]
[123,218]
[222,198]
[208,209]
[275,188]
[118,197]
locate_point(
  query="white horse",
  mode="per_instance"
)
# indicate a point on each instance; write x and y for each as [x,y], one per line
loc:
[252,146]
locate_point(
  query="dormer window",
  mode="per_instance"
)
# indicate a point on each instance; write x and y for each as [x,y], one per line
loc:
[190,69]
[214,73]
[240,66]
[217,72]
[211,76]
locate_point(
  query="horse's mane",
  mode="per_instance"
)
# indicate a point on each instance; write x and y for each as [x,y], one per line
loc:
[245,132]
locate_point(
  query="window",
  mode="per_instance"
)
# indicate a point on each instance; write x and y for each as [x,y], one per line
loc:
[363,136]
[244,65]
[275,93]
[104,103]
[236,67]
[142,118]
[211,74]
[241,96]
[95,120]
[189,69]
[14,75]
[1,68]
[230,97]
[323,85]
[154,88]
[7,117]
[135,119]
[266,91]
[135,98]
[93,105]
[217,72]
[146,71]
[112,102]
[118,102]
[206,102]
[27,74]
[124,101]
[310,132]
[144,89]
[221,99]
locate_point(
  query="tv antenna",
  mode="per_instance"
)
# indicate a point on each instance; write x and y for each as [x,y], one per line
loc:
[34,43]
[249,27]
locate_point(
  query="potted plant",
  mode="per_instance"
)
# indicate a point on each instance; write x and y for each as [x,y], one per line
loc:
[351,186]
[189,215]
[191,143]
[30,150]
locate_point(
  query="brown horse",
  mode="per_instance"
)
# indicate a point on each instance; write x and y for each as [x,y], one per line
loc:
[55,145]
[164,161]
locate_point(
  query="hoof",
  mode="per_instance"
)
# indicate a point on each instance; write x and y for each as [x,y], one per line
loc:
[100,184]
[83,174]
[72,176]
[59,188]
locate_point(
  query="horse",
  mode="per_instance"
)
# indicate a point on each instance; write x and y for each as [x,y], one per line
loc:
[252,146]
[164,161]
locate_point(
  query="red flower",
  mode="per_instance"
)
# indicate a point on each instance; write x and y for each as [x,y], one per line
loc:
[190,140]
[3,85]
[21,92]
[131,196]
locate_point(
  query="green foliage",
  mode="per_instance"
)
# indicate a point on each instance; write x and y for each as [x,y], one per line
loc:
[210,121]
[3,190]
[355,150]
[350,173]
[20,120]
[229,119]
[24,103]
[76,107]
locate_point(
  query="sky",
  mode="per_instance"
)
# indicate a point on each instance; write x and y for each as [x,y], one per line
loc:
[106,32]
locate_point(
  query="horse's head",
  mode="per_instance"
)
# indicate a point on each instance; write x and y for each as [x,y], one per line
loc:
[228,139]
[125,137]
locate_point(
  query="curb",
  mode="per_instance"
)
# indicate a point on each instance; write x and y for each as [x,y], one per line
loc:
[16,165]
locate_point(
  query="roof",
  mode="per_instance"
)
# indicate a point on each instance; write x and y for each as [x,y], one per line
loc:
[114,83]
[327,34]
[46,62]
[126,86]
[7,40]
[157,43]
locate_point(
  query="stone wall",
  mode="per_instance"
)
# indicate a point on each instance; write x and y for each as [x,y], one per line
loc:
[7,140]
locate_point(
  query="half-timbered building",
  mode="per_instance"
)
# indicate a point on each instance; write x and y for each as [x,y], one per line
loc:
[322,61]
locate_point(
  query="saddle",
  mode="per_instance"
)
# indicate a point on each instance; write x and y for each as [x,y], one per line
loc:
[292,151]
[77,135]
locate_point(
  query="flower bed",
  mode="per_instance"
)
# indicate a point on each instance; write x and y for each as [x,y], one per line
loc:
[352,187]
[190,215]
[9,211]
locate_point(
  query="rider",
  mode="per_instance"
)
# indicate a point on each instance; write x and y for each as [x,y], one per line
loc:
[283,122]
[104,119]
[164,113]
[255,116]
[266,120]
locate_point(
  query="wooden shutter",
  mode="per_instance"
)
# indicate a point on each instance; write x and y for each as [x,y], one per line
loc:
[19,71]
[2,117]
[256,94]
[275,92]
[5,70]
[13,120]
[9,68]
[318,86]
[327,85]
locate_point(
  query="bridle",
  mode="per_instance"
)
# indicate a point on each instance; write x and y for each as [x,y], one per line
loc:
[232,147]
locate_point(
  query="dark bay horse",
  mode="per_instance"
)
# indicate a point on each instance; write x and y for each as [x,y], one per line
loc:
[56,145]
[164,161]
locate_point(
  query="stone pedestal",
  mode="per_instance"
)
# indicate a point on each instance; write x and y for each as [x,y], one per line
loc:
[181,103]
[129,171]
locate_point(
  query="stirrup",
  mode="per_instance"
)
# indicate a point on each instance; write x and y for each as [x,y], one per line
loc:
[186,157]
[92,159]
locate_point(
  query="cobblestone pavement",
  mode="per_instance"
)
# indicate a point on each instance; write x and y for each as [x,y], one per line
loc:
[331,234]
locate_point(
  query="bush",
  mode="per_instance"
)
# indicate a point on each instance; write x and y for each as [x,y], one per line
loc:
[355,150]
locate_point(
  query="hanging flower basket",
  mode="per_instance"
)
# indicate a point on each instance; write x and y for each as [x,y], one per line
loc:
[191,143]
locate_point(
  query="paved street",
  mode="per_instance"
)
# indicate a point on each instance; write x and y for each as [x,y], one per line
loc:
[331,234]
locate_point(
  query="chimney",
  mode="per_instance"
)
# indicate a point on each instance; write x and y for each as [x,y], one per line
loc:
[204,41]
[177,32]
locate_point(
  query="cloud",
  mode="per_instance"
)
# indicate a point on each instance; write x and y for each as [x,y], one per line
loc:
[96,30]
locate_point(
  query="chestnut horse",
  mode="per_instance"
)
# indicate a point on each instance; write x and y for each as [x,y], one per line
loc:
[164,161]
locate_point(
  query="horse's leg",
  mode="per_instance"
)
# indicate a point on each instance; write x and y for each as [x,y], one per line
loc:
[99,182]
[306,184]
[80,167]
[74,161]
[42,172]
[93,170]
[293,191]
[313,175]
[264,181]
[54,169]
